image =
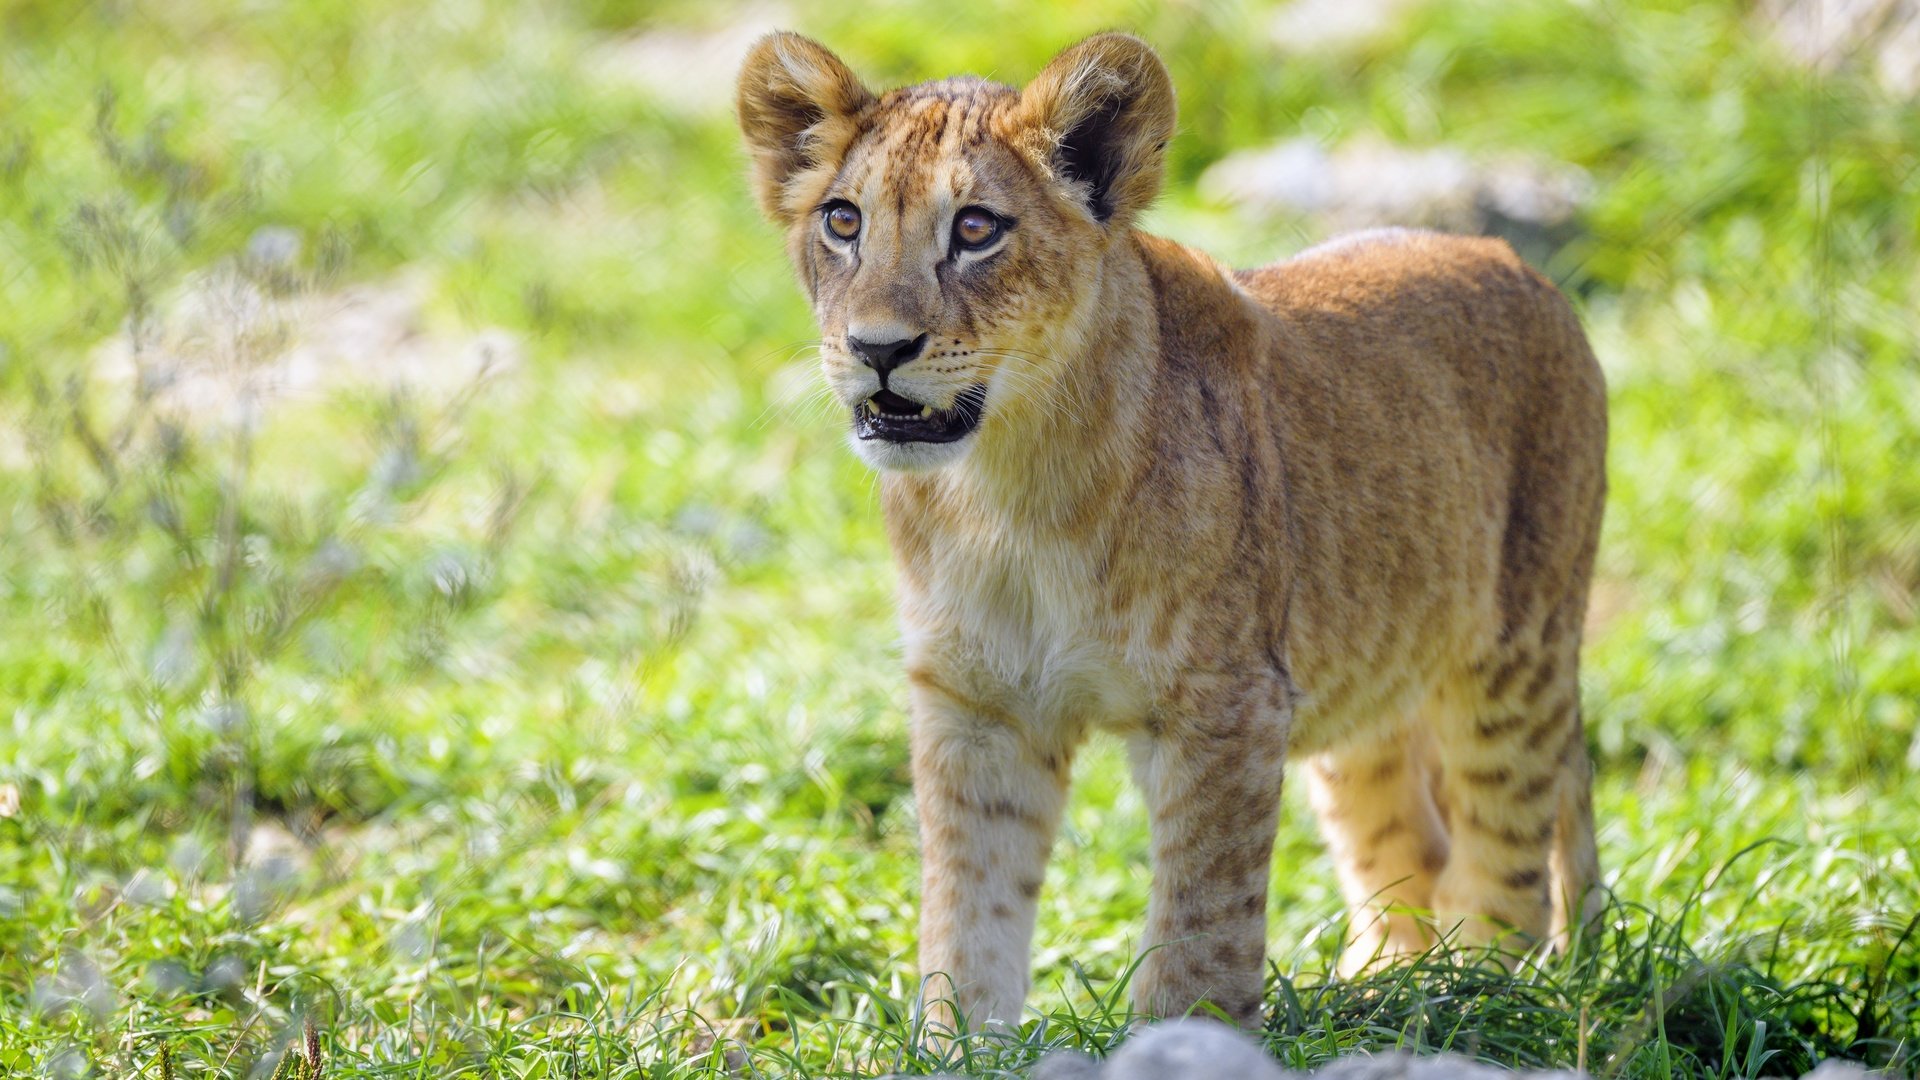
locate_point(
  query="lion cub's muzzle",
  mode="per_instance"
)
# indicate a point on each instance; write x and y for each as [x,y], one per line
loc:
[890,417]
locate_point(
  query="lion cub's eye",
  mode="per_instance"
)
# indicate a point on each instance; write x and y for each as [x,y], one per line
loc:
[974,228]
[843,220]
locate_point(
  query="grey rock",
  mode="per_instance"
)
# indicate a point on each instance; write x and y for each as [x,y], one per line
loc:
[1409,1067]
[1533,203]
[1066,1065]
[1305,27]
[274,246]
[1830,35]
[1361,184]
[1192,1048]
[1838,1070]
[1197,1049]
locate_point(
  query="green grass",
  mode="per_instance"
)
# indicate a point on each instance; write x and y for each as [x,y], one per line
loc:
[576,690]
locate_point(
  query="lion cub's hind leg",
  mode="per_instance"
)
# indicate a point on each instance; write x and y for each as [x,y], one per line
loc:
[1515,791]
[1376,808]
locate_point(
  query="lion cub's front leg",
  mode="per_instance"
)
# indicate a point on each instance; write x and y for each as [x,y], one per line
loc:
[1210,771]
[989,789]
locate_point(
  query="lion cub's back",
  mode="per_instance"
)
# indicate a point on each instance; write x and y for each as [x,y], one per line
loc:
[1460,313]
[1459,328]
[1446,429]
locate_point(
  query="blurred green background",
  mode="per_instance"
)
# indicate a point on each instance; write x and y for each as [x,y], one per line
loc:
[433,606]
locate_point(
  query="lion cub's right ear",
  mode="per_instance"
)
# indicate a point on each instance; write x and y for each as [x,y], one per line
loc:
[797,106]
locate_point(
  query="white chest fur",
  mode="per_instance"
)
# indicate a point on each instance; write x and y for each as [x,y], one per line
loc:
[1028,613]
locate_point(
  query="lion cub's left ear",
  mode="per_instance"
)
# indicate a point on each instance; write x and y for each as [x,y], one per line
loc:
[797,105]
[1103,111]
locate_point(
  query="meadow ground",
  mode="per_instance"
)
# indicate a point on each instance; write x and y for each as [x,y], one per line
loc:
[434,608]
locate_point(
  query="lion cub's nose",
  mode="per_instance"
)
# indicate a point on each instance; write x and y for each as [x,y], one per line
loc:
[884,356]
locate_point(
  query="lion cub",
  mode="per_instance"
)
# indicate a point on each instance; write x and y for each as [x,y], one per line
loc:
[1340,510]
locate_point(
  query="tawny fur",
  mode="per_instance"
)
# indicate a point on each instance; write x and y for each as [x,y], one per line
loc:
[1340,510]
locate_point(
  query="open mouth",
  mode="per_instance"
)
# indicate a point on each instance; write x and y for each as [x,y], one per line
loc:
[891,418]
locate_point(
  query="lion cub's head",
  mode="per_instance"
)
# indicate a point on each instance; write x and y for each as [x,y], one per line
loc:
[951,234]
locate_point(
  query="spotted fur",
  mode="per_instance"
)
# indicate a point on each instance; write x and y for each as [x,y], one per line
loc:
[1340,510]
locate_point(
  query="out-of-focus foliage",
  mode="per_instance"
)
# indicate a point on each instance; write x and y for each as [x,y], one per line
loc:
[542,718]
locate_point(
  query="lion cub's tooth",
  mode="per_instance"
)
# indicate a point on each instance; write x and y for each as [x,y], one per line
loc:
[926,411]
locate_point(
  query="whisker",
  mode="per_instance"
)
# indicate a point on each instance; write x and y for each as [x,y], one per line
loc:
[1051,392]
[778,402]
[817,406]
